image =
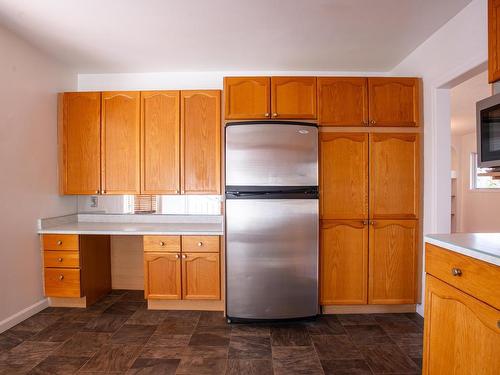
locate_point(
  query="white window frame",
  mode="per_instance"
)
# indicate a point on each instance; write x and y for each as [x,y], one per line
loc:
[473,177]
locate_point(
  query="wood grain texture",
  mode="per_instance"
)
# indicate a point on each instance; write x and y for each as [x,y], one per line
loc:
[493,40]
[162,275]
[247,98]
[394,175]
[393,262]
[461,333]
[343,262]
[201,244]
[343,175]
[161,244]
[342,101]
[79,142]
[201,276]
[293,97]
[120,142]
[62,282]
[394,101]
[200,142]
[60,242]
[160,142]
[95,266]
[61,259]
[478,278]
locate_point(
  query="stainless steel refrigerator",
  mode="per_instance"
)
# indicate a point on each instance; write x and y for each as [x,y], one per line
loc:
[271,220]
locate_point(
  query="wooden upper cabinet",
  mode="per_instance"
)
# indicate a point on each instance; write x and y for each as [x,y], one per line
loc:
[394,101]
[293,97]
[393,262]
[160,131]
[247,97]
[162,276]
[343,175]
[344,262]
[461,335]
[79,142]
[394,175]
[121,142]
[200,142]
[200,276]
[493,40]
[342,101]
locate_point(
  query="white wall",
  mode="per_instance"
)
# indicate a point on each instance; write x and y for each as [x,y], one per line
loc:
[28,165]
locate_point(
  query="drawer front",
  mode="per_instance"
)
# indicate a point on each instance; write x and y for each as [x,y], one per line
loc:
[162,243]
[205,244]
[61,259]
[475,277]
[62,282]
[60,242]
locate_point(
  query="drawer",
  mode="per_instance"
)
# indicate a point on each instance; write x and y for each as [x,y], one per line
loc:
[60,242]
[209,244]
[475,277]
[62,282]
[62,259]
[162,243]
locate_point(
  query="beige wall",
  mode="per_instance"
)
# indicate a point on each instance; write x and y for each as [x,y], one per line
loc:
[29,82]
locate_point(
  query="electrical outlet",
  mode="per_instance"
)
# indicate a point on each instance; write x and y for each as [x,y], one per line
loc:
[94,202]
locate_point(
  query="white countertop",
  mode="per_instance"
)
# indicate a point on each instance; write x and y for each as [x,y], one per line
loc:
[482,246]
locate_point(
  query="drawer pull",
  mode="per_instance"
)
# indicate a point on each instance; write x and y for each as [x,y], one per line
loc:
[200,243]
[59,242]
[456,272]
[162,243]
[61,277]
[184,256]
[59,259]
[176,256]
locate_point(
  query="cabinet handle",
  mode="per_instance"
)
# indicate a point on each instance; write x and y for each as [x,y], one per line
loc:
[176,256]
[365,222]
[97,191]
[61,277]
[200,243]
[59,259]
[373,122]
[184,256]
[275,114]
[162,243]
[456,272]
[266,114]
[59,242]
[372,222]
[177,192]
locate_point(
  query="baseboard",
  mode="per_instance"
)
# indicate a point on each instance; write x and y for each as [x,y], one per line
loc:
[24,314]
[367,309]
[68,302]
[204,305]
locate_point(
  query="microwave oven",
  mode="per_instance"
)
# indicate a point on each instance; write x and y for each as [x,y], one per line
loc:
[488,132]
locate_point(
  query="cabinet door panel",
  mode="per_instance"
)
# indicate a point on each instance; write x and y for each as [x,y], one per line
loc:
[80,142]
[162,276]
[393,262]
[293,97]
[200,127]
[342,101]
[344,262]
[344,175]
[121,142]
[247,97]
[493,40]
[394,176]
[160,130]
[394,101]
[461,334]
[200,276]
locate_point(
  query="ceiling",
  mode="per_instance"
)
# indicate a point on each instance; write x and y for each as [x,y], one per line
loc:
[102,36]
[463,103]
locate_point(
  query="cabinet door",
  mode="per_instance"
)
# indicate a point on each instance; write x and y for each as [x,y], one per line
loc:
[344,262]
[162,276]
[247,97]
[394,101]
[293,97]
[160,154]
[392,262]
[461,334]
[343,175]
[200,276]
[200,137]
[80,143]
[493,40]
[394,176]
[342,101]
[120,142]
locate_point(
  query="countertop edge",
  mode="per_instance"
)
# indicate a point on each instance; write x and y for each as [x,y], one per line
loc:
[132,233]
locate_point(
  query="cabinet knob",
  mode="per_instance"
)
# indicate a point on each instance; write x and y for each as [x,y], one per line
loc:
[61,277]
[456,272]
[200,243]
[372,222]
[59,259]
[162,243]
[275,114]
[373,122]
[365,222]
[177,192]
[59,242]
[184,256]
[176,256]
[266,114]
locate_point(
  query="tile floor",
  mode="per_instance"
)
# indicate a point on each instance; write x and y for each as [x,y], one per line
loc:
[119,335]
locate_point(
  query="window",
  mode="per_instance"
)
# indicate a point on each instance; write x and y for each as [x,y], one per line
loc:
[483,178]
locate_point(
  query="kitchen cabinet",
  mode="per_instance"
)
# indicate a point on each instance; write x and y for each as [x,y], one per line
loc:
[293,97]
[162,275]
[392,261]
[342,101]
[160,141]
[200,142]
[79,142]
[394,175]
[394,101]
[247,98]
[201,276]
[493,40]
[343,262]
[120,142]
[343,175]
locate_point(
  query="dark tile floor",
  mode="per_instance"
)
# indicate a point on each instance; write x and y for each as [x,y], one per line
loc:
[119,335]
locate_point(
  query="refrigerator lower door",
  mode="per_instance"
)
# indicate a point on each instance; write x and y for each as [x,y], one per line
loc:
[272,258]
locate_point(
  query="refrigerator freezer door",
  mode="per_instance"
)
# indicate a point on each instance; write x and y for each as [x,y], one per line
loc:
[262,154]
[272,258]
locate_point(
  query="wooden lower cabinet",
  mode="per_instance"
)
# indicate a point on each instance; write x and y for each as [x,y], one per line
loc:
[201,276]
[162,275]
[61,282]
